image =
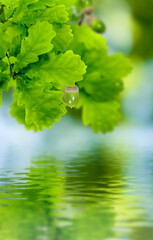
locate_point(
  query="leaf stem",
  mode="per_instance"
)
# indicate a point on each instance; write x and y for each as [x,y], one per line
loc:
[86,11]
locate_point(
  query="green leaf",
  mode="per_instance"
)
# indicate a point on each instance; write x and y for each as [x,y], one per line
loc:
[3,66]
[37,43]
[63,37]
[101,88]
[16,3]
[67,3]
[10,40]
[14,30]
[4,80]
[4,26]
[48,3]
[4,44]
[102,116]
[20,115]
[56,14]
[90,40]
[12,5]
[104,78]
[62,69]
[116,66]
[15,33]
[42,4]
[43,105]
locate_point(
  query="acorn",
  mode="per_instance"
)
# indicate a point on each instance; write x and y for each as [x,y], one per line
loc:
[85,3]
[96,24]
[71,96]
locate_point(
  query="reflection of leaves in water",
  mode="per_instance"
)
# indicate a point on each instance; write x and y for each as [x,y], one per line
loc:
[29,202]
[94,174]
[59,201]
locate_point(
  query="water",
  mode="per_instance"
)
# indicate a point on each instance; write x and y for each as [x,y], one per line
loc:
[69,184]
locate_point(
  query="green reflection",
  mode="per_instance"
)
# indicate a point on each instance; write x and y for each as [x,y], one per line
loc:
[86,197]
[27,203]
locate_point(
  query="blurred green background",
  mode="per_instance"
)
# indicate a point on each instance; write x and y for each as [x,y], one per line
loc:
[67,183]
[130,30]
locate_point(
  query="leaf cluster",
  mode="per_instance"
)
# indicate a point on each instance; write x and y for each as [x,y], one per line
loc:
[41,53]
[103,80]
[36,61]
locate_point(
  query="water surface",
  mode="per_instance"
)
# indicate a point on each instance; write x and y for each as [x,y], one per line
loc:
[69,184]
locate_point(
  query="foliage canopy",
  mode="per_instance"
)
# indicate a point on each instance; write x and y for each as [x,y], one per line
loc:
[42,50]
